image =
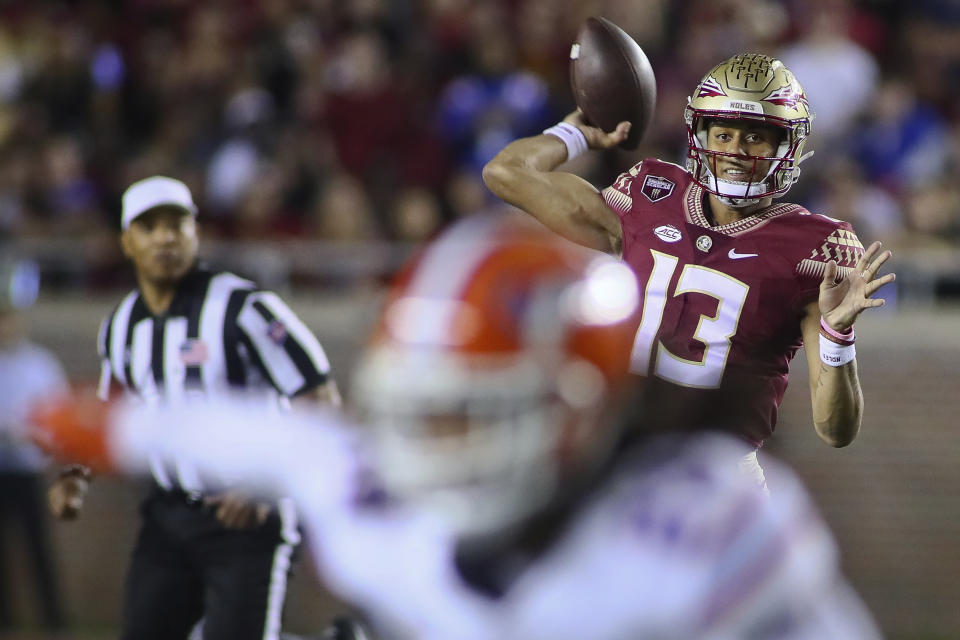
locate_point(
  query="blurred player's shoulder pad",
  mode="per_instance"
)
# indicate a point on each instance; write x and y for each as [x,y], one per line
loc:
[705,549]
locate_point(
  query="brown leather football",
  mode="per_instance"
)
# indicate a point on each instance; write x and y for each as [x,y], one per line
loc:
[611,78]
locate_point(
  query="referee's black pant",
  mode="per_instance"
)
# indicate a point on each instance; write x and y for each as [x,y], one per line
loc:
[186,565]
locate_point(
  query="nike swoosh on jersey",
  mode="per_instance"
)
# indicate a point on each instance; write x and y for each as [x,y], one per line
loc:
[733,255]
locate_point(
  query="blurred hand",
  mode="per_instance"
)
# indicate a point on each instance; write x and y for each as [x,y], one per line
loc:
[236,510]
[65,496]
[598,138]
[842,302]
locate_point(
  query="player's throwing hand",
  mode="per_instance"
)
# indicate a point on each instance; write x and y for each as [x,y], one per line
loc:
[598,138]
[842,302]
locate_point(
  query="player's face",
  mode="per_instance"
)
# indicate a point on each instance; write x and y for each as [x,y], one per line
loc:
[162,244]
[742,138]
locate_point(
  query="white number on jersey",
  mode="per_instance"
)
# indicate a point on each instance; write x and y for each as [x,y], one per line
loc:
[715,332]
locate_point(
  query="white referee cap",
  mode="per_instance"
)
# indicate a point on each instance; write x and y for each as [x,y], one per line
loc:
[156,191]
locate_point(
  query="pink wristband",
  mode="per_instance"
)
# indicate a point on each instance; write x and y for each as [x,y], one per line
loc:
[845,338]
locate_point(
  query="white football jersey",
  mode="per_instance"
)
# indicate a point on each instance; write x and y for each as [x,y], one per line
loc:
[677,547]
[676,543]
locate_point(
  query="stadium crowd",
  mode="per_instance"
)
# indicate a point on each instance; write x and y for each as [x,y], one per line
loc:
[369,120]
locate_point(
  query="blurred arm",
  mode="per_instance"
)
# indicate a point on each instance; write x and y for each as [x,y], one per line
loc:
[305,454]
[326,394]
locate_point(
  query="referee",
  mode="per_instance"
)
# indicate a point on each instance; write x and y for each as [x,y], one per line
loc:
[187,333]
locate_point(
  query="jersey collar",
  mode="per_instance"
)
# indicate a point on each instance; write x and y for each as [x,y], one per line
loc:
[693,208]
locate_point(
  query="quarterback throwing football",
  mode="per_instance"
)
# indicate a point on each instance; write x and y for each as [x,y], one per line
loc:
[733,283]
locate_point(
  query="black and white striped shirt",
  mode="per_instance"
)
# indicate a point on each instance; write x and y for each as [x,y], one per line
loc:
[220,335]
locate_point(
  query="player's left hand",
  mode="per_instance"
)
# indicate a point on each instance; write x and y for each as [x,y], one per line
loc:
[236,510]
[842,302]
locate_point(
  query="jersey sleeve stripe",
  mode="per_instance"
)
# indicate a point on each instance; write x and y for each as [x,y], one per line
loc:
[236,370]
[193,376]
[267,353]
[103,337]
[301,344]
[212,324]
[761,556]
[103,350]
[617,200]
[119,338]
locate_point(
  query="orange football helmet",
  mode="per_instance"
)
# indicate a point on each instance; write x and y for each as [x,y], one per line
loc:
[494,356]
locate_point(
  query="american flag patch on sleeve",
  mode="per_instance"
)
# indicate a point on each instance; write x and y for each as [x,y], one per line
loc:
[277,332]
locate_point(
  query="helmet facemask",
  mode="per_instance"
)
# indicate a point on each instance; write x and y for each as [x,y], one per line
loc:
[476,441]
[483,391]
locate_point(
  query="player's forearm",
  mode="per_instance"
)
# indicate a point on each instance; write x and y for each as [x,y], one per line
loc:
[837,404]
[522,175]
[542,153]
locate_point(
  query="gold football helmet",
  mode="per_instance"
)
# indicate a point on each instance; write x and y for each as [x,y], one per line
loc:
[756,87]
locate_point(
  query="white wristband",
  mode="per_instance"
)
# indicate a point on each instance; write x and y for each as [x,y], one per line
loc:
[571,136]
[836,355]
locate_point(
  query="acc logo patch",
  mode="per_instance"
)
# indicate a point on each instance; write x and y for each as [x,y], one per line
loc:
[656,188]
[277,332]
[668,233]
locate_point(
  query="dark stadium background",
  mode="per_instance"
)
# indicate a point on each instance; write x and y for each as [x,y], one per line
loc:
[324,138]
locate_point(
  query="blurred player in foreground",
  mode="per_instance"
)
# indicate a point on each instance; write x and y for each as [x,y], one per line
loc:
[733,283]
[491,492]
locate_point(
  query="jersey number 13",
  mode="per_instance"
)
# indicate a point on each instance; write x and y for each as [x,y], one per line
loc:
[715,332]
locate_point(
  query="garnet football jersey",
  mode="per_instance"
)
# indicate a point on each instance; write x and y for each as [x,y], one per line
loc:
[722,305]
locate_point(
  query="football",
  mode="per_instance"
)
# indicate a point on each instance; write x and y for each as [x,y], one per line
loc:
[611,78]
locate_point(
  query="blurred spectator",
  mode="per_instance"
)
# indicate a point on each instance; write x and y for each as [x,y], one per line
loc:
[28,374]
[343,212]
[481,111]
[873,212]
[416,215]
[414,94]
[466,193]
[378,134]
[903,141]
[933,215]
[236,161]
[931,35]
[839,75]
[70,198]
